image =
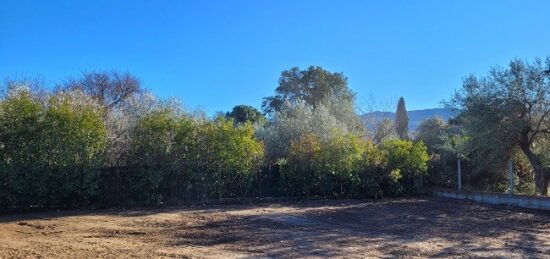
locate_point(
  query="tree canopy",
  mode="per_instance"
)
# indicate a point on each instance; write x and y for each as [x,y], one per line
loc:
[108,88]
[509,108]
[246,113]
[313,86]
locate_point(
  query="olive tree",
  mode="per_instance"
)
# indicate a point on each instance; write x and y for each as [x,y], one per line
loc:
[294,121]
[509,108]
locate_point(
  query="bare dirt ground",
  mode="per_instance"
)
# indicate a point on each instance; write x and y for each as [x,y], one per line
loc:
[406,227]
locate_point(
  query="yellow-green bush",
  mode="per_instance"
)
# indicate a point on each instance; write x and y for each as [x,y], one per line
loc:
[50,151]
[225,158]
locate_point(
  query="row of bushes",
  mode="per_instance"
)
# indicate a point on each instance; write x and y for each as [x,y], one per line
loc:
[54,149]
[347,165]
[52,153]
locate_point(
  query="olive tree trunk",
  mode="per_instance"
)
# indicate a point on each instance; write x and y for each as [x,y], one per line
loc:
[541,177]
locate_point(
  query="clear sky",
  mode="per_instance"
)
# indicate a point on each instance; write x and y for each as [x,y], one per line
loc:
[217,54]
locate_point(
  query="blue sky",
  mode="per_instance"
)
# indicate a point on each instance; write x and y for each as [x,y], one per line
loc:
[217,54]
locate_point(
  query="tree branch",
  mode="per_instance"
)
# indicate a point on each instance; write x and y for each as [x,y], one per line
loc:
[539,124]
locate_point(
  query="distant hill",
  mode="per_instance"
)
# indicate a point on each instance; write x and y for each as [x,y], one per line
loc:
[415,117]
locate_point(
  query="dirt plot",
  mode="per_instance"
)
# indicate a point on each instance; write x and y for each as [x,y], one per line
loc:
[406,227]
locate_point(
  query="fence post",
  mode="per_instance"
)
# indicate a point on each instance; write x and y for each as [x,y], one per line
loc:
[459,176]
[510,176]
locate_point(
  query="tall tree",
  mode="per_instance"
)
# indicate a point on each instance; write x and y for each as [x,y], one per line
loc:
[402,120]
[316,88]
[508,109]
[313,86]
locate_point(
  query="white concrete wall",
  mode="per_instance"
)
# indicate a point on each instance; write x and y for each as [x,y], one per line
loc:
[532,202]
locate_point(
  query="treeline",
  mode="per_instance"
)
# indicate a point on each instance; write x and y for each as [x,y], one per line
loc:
[101,140]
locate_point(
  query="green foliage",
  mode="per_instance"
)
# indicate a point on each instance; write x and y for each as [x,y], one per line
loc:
[430,132]
[226,158]
[103,141]
[175,158]
[20,149]
[246,113]
[391,168]
[293,123]
[338,164]
[328,168]
[87,147]
[50,152]
[312,86]
[507,109]
[402,120]
[152,156]
[408,157]
[524,175]
[300,177]
[346,165]
[377,179]
[456,145]
[73,140]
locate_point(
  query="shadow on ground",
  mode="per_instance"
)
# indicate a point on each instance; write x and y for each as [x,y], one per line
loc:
[403,227]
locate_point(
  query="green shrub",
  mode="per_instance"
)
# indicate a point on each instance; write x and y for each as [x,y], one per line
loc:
[21,120]
[408,158]
[328,168]
[225,158]
[50,152]
[375,178]
[73,140]
[299,177]
[151,156]
[338,164]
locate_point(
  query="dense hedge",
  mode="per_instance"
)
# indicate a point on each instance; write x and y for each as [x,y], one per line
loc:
[49,152]
[53,153]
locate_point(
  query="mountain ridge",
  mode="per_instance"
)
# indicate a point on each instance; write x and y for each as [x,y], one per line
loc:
[416,117]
